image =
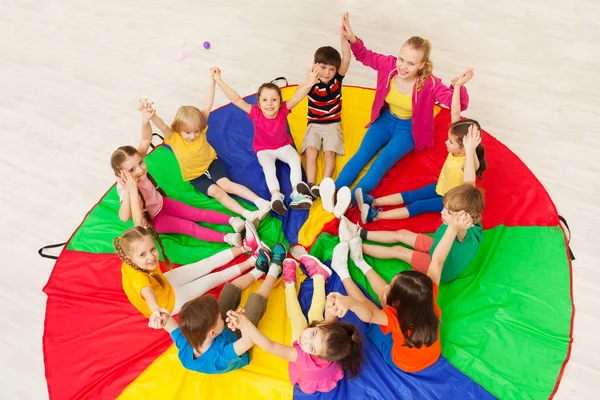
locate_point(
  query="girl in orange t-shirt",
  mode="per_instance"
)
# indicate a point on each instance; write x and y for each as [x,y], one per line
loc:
[410,312]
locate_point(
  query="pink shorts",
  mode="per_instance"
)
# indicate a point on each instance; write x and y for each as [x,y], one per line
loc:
[420,258]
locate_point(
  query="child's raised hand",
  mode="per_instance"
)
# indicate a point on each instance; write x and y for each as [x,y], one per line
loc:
[472,139]
[461,221]
[313,74]
[128,181]
[158,318]
[346,29]
[146,109]
[463,78]
[214,72]
[339,302]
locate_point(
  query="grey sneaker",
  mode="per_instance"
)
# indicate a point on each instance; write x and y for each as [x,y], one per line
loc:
[300,201]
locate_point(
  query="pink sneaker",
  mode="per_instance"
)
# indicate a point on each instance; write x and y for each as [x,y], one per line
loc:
[314,266]
[251,241]
[289,270]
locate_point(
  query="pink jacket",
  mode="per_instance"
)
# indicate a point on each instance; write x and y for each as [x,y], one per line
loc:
[433,91]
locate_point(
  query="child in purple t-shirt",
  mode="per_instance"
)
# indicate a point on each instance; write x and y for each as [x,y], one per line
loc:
[271,140]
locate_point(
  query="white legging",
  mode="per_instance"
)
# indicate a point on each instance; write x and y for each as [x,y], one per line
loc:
[193,280]
[288,155]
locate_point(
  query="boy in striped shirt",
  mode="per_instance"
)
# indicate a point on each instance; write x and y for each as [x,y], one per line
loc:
[324,115]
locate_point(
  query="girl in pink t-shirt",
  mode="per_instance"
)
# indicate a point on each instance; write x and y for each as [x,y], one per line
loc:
[320,349]
[143,201]
[271,140]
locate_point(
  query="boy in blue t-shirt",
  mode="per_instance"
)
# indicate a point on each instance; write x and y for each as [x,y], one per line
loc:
[203,343]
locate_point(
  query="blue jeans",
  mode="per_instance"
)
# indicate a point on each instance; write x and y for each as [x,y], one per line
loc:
[423,200]
[392,135]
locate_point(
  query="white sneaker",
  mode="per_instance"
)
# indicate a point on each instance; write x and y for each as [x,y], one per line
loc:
[356,252]
[263,210]
[339,260]
[233,239]
[327,192]
[347,230]
[344,197]
[277,204]
[237,224]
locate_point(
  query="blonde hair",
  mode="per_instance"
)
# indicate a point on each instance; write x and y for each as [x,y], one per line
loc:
[188,118]
[124,248]
[465,197]
[424,45]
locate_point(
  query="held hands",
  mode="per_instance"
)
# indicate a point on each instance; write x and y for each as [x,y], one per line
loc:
[338,304]
[128,181]
[237,320]
[472,139]
[346,29]
[215,73]
[462,79]
[146,109]
[158,318]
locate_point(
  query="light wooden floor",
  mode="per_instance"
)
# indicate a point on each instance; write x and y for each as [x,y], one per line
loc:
[71,71]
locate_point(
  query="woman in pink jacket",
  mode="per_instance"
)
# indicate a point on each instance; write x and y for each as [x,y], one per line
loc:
[402,113]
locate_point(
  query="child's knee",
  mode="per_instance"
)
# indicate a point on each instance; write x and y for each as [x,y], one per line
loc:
[216,192]
[225,184]
[329,157]
[311,153]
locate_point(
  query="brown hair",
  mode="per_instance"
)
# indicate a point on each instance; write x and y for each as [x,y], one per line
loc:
[459,129]
[418,43]
[197,317]
[124,247]
[268,85]
[188,117]
[343,343]
[467,198]
[411,295]
[329,56]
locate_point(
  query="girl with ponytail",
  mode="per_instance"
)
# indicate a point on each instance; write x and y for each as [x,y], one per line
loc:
[402,112]
[322,350]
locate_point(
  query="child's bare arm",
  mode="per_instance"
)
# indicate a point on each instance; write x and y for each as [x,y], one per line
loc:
[164,128]
[358,307]
[209,97]
[147,111]
[346,53]
[470,143]
[458,82]
[231,94]
[312,77]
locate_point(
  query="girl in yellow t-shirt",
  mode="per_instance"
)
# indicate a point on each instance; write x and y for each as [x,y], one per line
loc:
[152,292]
[198,160]
[465,161]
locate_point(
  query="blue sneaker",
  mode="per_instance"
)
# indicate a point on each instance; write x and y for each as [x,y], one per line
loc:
[368,213]
[263,259]
[363,198]
[279,254]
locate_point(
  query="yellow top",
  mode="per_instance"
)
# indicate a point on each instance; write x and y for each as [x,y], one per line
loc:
[134,281]
[400,104]
[452,174]
[194,157]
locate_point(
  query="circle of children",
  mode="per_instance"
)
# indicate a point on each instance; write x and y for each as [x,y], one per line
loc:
[323,348]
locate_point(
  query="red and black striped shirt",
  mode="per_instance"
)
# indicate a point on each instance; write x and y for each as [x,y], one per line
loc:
[325,101]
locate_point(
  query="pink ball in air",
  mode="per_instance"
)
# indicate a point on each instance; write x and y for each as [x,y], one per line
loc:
[206,45]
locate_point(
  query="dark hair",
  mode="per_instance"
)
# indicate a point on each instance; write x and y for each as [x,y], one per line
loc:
[342,343]
[124,246]
[465,197]
[460,130]
[411,294]
[329,56]
[268,85]
[197,317]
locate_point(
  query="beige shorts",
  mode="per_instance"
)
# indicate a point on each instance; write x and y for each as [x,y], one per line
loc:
[328,134]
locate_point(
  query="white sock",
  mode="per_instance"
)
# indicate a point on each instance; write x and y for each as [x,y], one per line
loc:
[363,266]
[251,260]
[256,273]
[274,270]
[343,273]
[259,202]
[290,284]
[248,215]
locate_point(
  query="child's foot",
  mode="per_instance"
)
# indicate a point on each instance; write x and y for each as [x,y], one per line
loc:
[356,252]
[363,198]
[314,266]
[277,204]
[344,197]
[347,230]
[233,239]
[304,188]
[314,191]
[368,213]
[263,259]
[251,240]
[339,260]
[264,208]
[327,191]
[289,271]
[279,254]
[300,201]
[237,224]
